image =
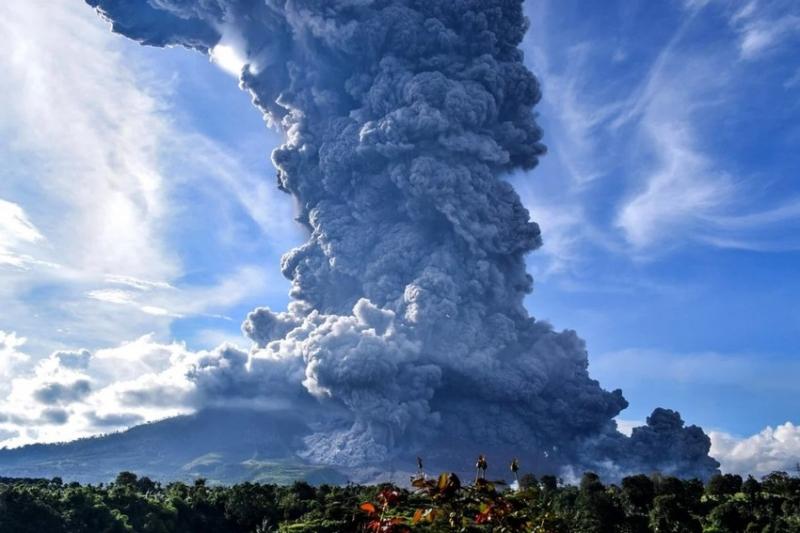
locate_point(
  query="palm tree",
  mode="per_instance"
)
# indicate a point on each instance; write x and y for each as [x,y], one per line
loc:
[481,467]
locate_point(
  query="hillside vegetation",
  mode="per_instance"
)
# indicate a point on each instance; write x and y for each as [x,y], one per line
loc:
[181,448]
[444,503]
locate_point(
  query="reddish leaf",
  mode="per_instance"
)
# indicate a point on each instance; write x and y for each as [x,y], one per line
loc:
[388,496]
[367,507]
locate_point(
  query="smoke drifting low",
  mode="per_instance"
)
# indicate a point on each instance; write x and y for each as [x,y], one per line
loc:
[407,328]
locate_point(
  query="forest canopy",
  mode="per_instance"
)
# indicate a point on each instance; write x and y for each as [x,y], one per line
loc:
[726,503]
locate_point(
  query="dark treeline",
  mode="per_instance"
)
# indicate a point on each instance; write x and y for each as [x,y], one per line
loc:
[639,503]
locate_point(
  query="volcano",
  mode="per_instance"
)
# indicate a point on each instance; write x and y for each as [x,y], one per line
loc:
[220,445]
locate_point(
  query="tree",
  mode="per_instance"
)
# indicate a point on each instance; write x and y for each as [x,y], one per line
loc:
[597,511]
[126,479]
[27,512]
[669,515]
[528,481]
[639,492]
[549,483]
[145,485]
[252,506]
[728,517]
[751,487]
[722,485]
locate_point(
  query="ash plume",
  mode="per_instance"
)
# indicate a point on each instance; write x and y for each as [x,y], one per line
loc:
[407,327]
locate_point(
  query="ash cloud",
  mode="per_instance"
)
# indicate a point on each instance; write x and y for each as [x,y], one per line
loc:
[401,118]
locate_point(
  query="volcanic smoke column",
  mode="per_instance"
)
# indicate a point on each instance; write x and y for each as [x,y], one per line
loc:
[401,118]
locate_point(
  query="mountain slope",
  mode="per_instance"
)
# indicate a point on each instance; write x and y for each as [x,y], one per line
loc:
[222,445]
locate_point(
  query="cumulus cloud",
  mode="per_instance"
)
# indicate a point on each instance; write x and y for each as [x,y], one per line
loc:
[73,359]
[401,122]
[6,434]
[54,416]
[75,394]
[10,356]
[771,449]
[53,393]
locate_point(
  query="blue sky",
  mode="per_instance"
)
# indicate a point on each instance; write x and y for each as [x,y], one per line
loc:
[669,203]
[671,200]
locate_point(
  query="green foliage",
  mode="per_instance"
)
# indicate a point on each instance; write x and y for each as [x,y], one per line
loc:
[724,485]
[133,504]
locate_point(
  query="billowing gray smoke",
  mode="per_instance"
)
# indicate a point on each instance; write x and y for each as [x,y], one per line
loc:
[407,327]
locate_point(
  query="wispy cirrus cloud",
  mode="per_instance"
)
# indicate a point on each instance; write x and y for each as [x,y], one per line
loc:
[161,299]
[633,166]
[109,206]
[16,232]
[765,26]
[100,185]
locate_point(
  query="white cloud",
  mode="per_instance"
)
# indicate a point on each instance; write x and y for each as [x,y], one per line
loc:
[674,184]
[770,450]
[93,154]
[71,395]
[765,26]
[767,230]
[626,426]
[774,448]
[761,35]
[270,209]
[64,401]
[643,143]
[574,114]
[745,12]
[681,189]
[166,300]
[574,118]
[81,137]
[10,356]
[15,230]
[15,226]
[144,285]
[114,296]
[696,4]
[84,124]
[793,81]
[612,138]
